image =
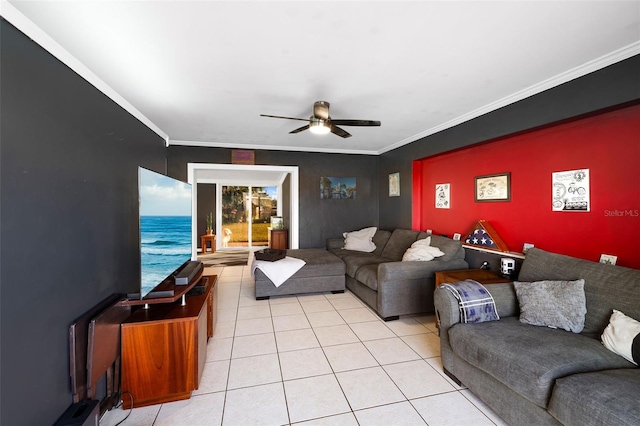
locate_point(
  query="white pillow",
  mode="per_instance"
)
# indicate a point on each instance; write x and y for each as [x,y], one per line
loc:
[421,251]
[360,240]
[620,336]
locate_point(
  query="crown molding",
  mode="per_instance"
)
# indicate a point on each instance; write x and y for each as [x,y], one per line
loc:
[579,71]
[269,147]
[31,30]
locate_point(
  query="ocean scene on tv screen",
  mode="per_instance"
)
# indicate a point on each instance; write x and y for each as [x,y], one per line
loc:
[165,227]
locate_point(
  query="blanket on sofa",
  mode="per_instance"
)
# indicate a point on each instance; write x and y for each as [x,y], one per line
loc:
[475,302]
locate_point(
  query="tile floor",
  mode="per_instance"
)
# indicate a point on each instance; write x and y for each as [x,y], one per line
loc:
[320,359]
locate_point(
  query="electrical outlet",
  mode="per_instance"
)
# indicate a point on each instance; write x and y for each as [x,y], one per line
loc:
[456,237]
[429,232]
[526,247]
[608,259]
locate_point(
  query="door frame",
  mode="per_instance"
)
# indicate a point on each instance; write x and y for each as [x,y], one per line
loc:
[241,174]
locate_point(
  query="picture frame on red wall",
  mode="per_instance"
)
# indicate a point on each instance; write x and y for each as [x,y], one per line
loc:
[496,187]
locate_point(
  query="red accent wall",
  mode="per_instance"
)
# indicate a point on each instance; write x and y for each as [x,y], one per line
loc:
[607,144]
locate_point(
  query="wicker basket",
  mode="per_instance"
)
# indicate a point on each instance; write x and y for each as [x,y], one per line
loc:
[270,255]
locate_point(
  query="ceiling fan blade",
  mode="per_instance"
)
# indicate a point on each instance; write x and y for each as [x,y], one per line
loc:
[298,130]
[340,132]
[355,122]
[286,118]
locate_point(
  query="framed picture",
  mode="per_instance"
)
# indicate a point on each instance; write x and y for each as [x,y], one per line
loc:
[394,184]
[493,187]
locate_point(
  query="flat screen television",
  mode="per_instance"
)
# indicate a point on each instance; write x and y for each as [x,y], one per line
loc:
[165,228]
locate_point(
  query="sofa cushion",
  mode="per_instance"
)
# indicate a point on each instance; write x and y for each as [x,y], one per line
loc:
[606,287]
[607,397]
[555,304]
[622,336]
[399,242]
[368,275]
[360,240]
[380,239]
[529,359]
[452,249]
[355,261]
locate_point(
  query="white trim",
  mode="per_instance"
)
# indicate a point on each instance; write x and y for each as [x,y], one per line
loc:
[24,24]
[496,252]
[294,221]
[582,70]
[270,147]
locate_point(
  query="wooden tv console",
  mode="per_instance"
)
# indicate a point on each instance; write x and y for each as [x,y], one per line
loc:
[164,346]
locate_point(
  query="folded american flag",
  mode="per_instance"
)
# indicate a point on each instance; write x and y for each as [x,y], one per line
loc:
[475,302]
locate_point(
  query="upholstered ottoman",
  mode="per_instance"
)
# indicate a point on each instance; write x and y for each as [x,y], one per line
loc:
[323,271]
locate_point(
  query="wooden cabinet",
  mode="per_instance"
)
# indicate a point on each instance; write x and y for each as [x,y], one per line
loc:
[164,346]
[279,239]
[483,276]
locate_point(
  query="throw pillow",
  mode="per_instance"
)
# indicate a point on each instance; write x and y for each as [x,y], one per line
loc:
[622,336]
[360,240]
[555,304]
[421,251]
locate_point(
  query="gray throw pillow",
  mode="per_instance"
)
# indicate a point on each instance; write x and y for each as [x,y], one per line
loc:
[555,304]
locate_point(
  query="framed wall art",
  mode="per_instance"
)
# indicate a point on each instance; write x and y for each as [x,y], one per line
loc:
[394,184]
[493,187]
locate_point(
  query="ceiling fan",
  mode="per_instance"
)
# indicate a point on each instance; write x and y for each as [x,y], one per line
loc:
[321,123]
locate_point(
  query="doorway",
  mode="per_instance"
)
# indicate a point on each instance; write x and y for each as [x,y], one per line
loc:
[245,213]
[283,178]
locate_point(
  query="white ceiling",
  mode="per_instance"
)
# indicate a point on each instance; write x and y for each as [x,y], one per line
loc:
[201,72]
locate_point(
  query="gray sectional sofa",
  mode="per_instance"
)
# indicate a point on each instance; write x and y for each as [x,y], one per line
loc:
[536,375]
[387,284]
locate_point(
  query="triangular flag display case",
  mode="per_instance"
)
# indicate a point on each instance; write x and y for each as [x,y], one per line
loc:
[483,235]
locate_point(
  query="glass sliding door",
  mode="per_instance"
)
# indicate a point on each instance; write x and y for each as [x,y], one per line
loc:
[246,215]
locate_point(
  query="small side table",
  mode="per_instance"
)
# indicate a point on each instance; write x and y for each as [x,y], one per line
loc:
[203,242]
[483,276]
[278,239]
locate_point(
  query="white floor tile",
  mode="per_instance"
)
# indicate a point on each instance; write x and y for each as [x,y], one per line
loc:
[290,322]
[256,344]
[372,330]
[406,326]
[317,305]
[355,315]
[389,351]
[345,303]
[199,410]
[350,356]
[450,409]
[417,379]
[304,363]
[278,300]
[219,349]
[253,326]
[281,309]
[228,314]
[369,387]
[252,371]
[252,312]
[346,419]
[426,345]
[294,340]
[257,405]
[484,408]
[324,319]
[224,330]
[311,296]
[315,397]
[214,377]
[400,413]
[335,335]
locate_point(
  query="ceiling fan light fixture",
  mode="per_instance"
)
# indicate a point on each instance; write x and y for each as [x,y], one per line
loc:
[318,126]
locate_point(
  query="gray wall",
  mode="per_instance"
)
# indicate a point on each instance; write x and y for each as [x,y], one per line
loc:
[319,219]
[613,85]
[69,210]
